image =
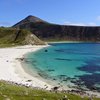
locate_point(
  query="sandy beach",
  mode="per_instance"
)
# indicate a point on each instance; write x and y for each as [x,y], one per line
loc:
[11,69]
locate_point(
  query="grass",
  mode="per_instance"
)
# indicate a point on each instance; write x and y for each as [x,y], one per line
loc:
[15,92]
[13,37]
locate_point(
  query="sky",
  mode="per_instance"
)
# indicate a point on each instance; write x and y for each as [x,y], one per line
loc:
[67,12]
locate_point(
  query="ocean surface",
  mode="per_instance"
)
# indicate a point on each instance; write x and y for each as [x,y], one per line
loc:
[68,64]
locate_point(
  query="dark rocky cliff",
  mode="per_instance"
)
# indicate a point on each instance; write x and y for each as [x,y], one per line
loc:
[48,31]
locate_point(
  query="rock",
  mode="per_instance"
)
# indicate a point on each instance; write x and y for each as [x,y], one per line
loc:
[46,50]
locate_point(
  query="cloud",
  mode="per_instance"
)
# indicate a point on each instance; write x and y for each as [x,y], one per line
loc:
[91,24]
[5,24]
[71,23]
[80,24]
[98,18]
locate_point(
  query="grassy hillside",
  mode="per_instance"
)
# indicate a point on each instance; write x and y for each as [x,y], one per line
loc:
[13,37]
[13,92]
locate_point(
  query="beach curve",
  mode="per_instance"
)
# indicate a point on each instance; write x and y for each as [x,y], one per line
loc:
[11,69]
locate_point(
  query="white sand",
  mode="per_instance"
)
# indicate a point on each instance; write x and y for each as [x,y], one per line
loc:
[11,69]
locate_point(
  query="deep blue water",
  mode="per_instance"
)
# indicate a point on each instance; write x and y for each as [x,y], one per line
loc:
[78,63]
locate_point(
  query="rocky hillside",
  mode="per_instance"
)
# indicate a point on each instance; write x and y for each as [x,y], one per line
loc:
[47,31]
[12,36]
[30,19]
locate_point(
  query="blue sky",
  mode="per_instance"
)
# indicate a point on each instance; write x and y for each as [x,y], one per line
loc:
[77,12]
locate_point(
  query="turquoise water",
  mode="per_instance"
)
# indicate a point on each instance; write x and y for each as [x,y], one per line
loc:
[78,63]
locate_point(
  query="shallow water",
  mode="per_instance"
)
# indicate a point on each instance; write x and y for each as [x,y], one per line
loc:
[77,63]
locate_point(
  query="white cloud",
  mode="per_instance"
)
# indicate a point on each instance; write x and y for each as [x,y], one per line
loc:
[91,24]
[80,24]
[98,18]
[71,23]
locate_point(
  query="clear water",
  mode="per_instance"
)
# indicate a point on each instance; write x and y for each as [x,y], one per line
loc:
[77,63]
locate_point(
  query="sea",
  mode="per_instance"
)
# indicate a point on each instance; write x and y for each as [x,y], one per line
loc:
[68,64]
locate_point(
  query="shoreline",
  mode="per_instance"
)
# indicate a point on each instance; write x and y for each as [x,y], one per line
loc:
[72,42]
[12,70]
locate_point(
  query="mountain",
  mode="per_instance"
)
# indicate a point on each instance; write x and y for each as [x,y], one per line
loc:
[30,19]
[48,31]
[13,37]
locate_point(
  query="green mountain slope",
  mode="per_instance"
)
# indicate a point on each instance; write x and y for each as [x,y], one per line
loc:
[13,37]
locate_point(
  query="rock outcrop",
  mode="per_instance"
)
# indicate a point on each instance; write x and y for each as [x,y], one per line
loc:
[14,37]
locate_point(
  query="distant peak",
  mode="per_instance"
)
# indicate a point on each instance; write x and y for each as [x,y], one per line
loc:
[31,18]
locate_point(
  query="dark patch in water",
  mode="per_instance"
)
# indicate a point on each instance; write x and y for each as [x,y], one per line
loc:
[63,78]
[63,59]
[76,51]
[59,50]
[46,50]
[95,61]
[90,81]
[78,82]
[91,68]
[65,50]
[68,59]
[50,70]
